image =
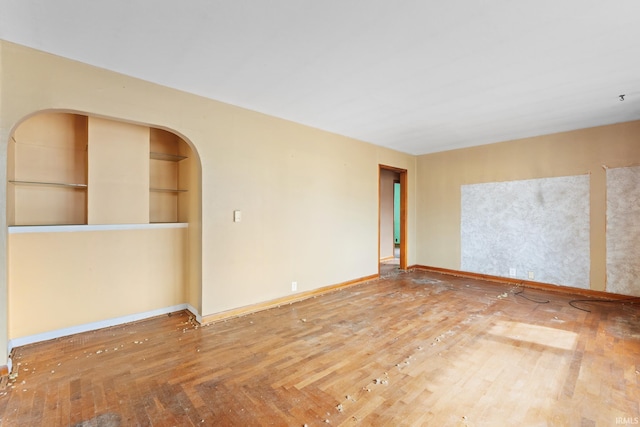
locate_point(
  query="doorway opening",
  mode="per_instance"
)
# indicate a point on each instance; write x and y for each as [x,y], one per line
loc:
[392,220]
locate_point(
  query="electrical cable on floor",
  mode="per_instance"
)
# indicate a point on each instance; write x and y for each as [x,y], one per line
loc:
[590,300]
[522,295]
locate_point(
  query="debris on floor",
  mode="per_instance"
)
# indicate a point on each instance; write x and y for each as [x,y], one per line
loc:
[438,339]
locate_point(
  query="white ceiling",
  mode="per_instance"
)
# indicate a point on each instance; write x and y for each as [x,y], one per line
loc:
[417,76]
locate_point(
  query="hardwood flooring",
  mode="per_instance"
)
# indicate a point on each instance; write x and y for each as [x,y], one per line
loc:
[415,349]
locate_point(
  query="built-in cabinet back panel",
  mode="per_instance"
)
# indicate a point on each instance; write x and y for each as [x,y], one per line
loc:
[118,172]
[49,206]
[163,207]
[52,147]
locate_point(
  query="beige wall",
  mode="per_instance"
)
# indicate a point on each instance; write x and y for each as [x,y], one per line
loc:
[570,153]
[309,198]
[90,276]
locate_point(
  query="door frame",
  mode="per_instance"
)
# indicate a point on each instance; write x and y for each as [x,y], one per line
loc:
[403,212]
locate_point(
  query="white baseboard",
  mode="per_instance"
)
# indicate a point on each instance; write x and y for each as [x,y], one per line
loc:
[193,311]
[45,336]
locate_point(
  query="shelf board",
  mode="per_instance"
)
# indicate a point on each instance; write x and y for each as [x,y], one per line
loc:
[165,156]
[52,184]
[167,190]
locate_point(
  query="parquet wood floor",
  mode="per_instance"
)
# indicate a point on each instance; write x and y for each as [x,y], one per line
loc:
[415,349]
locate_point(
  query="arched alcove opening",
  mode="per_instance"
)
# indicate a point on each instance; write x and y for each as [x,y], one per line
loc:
[104,224]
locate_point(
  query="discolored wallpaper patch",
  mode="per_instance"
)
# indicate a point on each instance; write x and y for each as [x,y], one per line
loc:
[534,229]
[623,230]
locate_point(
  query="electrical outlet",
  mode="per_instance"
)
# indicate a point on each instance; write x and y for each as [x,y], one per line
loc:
[512,272]
[294,286]
[531,275]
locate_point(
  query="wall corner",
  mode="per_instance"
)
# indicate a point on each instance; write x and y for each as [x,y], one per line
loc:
[4,138]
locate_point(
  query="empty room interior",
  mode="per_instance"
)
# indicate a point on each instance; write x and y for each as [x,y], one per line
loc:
[319,213]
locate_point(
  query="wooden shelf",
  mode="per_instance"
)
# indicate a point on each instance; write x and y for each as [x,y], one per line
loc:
[52,184]
[167,190]
[165,156]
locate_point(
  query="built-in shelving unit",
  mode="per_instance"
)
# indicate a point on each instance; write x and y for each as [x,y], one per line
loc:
[47,170]
[64,169]
[99,214]
[167,190]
